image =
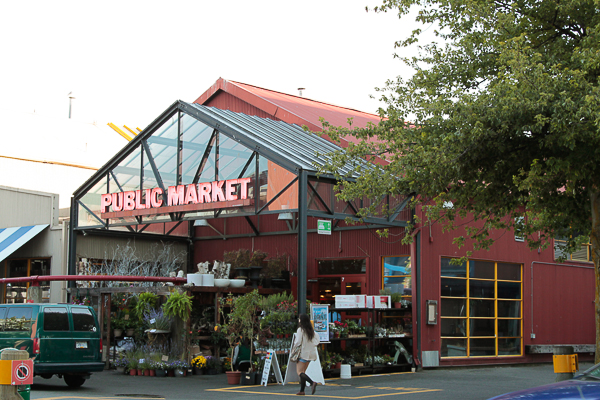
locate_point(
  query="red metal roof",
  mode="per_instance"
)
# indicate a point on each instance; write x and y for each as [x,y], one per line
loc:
[289,108]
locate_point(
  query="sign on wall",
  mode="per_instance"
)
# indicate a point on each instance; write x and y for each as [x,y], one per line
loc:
[324,227]
[319,314]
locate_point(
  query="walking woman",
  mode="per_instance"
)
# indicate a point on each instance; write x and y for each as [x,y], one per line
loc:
[308,340]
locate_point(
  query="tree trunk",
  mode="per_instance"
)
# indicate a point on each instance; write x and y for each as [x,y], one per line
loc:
[595,242]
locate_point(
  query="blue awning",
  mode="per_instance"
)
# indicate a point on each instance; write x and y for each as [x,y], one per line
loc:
[13,238]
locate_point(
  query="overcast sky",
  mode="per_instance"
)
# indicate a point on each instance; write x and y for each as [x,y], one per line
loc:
[127,61]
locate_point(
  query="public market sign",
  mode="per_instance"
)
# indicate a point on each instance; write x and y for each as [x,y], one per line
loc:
[180,198]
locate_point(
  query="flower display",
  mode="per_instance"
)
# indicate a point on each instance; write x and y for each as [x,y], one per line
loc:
[120,362]
[82,301]
[199,362]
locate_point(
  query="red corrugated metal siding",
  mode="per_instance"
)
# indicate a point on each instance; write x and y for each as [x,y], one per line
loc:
[344,244]
[557,321]
[225,101]
[563,306]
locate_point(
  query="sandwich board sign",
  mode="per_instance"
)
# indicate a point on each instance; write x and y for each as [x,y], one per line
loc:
[271,359]
[314,369]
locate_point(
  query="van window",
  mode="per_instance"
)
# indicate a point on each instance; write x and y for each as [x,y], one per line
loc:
[56,319]
[83,320]
[2,318]
[18,319]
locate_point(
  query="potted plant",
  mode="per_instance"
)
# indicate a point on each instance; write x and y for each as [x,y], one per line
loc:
[179,305]
[199,364]
[117,326]
[145,301]
[160,369]
[180,367]
[240,262]
[132,365]
[276,270]
[242,322]
[213,365]
[120,364]
[397,300]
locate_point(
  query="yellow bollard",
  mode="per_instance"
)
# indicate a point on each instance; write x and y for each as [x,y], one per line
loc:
[8,391]
[565,363]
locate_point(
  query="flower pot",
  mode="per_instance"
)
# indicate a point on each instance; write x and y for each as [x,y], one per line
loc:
[152,372]
[208,280]
[212,371]
[133,372]
[337,365]
[222,282]
[398,305]
[171,373]
[196,279]
[180,373]
[140,372]
[233,377]
[237,282]
[161,373]
[248,378]
[121,370]
[118,332]
[146,372]
[130,332]
[198,371]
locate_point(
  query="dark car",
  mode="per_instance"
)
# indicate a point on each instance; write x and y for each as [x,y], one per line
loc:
[585,386]
[62,339]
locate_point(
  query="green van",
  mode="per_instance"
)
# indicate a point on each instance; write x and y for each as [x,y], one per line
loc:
[62,339]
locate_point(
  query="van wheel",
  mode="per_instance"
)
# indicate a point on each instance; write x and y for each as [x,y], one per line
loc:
[74,380]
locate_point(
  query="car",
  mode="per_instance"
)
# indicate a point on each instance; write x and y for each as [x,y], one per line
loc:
[62,339]
[584,386]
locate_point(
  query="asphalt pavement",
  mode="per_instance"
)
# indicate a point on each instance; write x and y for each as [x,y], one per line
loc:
[464,383]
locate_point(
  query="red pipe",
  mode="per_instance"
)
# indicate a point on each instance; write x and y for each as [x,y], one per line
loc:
[40,278]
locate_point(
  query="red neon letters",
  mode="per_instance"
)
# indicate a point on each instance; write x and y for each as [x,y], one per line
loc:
[207,192]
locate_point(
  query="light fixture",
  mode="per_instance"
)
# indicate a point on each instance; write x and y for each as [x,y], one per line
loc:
[286,216]
[201,222]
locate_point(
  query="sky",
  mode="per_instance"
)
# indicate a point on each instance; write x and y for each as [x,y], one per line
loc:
[127,61]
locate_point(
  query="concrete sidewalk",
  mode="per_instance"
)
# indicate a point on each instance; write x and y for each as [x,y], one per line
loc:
[440,384]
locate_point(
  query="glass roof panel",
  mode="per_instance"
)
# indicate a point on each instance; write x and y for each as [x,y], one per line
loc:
[194,139]
[91,200]
[233,157]
[163,149]
[126,176]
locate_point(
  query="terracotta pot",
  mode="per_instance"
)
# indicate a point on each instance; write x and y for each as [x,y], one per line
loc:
[233,377]
[337,365]
[140,372]
[146,372]
[152,372]
[398,305]
[133,372]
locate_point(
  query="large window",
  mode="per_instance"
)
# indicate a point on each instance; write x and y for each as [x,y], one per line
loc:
[16,268]
[481,309]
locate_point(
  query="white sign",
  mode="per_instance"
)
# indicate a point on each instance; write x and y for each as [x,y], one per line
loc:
[314,370]
[271,360]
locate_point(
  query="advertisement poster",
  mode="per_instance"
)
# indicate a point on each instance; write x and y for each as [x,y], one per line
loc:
[319,313]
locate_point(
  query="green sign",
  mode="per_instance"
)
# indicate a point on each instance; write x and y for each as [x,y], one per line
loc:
[323,227]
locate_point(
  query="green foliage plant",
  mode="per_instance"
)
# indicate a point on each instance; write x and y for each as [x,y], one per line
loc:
[144,301]
[178,304]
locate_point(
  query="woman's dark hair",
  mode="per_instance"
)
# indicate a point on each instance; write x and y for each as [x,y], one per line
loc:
[306,326]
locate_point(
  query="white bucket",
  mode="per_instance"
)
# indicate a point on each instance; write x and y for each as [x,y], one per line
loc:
[208,280]
[345,371]
[196,279]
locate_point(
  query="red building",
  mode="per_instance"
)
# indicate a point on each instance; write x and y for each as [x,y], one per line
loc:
[546,303]
[506,305]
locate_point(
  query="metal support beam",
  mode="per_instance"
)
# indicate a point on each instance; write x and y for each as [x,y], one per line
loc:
[302,240]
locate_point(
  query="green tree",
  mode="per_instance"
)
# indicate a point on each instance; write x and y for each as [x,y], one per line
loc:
[501,117]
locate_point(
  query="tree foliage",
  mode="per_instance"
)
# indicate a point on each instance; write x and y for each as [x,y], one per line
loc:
[501,117]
